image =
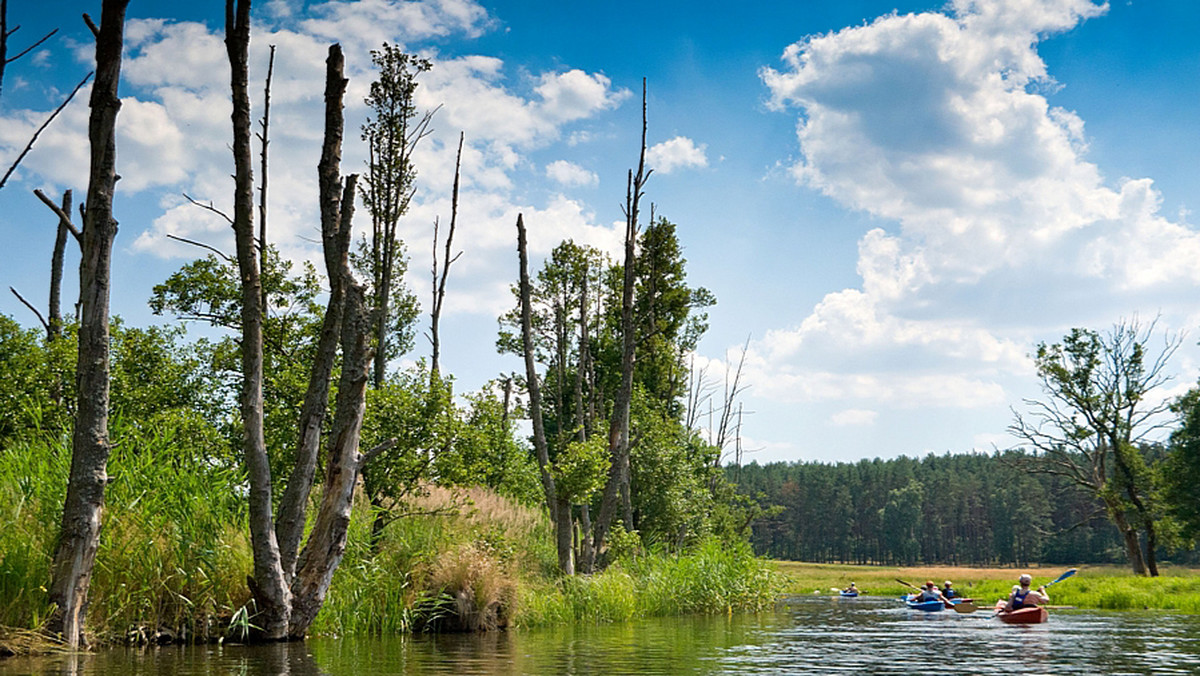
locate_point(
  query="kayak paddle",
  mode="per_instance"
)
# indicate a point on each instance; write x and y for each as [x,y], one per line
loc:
[965,607]
[1062,577]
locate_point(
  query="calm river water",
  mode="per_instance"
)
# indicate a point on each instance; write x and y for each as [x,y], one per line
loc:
[804,636]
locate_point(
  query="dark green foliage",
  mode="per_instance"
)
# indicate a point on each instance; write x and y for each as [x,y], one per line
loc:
[487,453]
[207,290]
[1181,473]
[969,509]
[33,371]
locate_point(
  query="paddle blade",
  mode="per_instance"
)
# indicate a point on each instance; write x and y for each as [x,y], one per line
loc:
[1064,576]
[965,607]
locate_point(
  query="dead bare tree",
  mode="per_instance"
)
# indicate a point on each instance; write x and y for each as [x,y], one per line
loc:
[288,602]
[560,510]
[270,588]
[439,282]
[617,485]
[33,139]
[264,141]
[84,505]
[6,33]
[335,208]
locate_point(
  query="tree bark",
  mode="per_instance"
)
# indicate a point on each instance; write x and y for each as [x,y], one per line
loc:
[271,589]
[618,431]
[1133,547]
[54,324]
[439,293]
[560,517]
[264,141]
[84,506]
[336,207]
[327,542]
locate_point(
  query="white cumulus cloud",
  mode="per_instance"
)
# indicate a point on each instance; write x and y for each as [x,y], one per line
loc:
[995,231]
[570,174]
[678,153]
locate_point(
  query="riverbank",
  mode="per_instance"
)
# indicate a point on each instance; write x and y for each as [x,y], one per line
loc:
[1099,587]
[175,555]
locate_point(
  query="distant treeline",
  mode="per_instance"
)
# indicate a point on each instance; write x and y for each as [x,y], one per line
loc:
[970,509]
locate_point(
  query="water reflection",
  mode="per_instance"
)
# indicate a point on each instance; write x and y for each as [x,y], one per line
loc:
[805,636]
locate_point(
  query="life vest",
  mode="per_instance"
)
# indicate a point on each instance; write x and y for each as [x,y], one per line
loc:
[1019,598]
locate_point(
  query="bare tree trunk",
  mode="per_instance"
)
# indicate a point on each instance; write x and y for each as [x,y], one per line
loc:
[618,431]
[336,207]
[1133,548]
[561,517]
[582,420]
[54,328]
[79,537]
[1151,546]
[264,140]
[327,543]
[270,588]
[439,283]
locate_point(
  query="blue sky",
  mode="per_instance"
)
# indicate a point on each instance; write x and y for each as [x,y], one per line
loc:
[893,202]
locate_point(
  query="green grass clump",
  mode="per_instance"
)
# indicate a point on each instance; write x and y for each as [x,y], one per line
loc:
[173,551]
[713,577]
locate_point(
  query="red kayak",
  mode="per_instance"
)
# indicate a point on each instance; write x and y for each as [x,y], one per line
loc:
[1026,615]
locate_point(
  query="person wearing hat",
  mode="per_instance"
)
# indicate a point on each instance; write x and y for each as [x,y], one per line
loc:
[851,589]
[1022,596]
[950,592]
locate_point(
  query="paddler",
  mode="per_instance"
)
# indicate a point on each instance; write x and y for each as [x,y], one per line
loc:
[1022,596]
[929,593]
[949,591]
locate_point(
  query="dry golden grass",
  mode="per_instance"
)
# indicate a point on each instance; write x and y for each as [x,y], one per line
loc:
[482,589]
[14,641]
[478,506]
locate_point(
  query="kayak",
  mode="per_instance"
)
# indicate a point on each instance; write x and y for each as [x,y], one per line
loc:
[1026,615]
[927,606]
[849,595]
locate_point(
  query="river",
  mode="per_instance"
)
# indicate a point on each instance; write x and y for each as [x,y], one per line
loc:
[806,635]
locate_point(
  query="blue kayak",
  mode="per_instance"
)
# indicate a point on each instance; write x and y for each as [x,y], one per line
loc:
[927,606]
[849,595]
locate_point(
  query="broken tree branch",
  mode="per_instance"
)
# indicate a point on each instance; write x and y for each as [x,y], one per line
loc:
[34,138]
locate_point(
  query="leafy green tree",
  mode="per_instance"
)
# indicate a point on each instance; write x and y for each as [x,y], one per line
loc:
[207,290]
[422,422]
[1094,420]
[392,131]
[486,453]
[1181,472]
[32,369]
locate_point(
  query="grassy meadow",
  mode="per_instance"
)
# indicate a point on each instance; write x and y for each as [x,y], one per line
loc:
[1098,587]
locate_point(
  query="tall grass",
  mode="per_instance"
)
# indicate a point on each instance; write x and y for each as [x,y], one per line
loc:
[173,554]
[714,577]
